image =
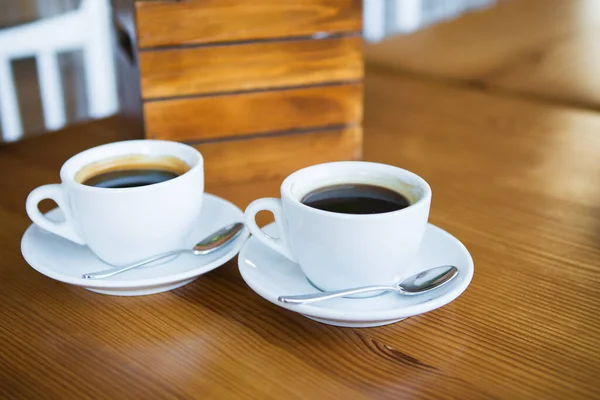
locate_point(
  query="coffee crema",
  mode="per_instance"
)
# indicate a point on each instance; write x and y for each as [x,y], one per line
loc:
[356,199]
[131,171]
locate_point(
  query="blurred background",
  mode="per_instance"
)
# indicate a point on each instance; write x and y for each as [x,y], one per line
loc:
[47,80]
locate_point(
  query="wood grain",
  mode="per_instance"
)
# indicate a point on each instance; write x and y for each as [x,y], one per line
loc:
[266,158]
[551,54]
[516,181]
[166,22]
[187,71]
[250,113]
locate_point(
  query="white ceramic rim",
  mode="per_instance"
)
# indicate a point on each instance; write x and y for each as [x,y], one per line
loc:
[365,316]
[286,189]
[131,284]
[141,146]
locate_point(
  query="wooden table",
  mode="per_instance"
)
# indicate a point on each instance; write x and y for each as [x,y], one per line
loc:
[518,181]
[537,49]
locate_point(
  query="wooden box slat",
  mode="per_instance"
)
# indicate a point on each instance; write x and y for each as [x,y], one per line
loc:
[169,22]
[213,117]
[261,87]
[187,71]
[272,157]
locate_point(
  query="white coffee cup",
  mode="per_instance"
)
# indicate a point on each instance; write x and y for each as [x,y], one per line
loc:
[339,251]
[124,225]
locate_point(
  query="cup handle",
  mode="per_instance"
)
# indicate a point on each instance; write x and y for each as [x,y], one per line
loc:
[54,192]
[281,244]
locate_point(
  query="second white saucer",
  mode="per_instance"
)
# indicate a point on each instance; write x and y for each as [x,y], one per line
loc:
[271,275]
[66,261]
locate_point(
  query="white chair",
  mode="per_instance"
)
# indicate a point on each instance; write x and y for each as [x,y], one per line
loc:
[388,17]
[87,28]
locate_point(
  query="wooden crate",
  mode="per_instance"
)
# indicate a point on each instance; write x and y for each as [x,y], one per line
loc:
[261,87]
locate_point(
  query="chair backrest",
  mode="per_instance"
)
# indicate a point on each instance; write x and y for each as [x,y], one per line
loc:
[87,29]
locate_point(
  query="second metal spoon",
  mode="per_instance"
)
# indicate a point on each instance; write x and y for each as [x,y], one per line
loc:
[212,242]
[416,284]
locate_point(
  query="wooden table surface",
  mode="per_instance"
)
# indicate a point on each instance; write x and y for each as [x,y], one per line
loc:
[515,178]
[516,181]
[538,49]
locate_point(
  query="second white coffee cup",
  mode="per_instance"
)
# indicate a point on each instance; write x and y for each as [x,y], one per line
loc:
[337,250]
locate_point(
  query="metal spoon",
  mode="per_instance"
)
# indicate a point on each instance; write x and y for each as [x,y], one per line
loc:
[212,242]
[416,284]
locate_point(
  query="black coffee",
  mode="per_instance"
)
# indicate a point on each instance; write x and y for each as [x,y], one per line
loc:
[356,199]
[131,171]
[128,178]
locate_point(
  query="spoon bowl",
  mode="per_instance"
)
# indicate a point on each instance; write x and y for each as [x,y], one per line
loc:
[427,280]
[218,239]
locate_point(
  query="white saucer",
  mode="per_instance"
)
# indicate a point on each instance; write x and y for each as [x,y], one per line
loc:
[66,261]
[271,275]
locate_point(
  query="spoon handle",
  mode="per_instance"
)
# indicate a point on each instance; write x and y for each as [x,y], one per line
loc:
[314,297]
[117,270]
